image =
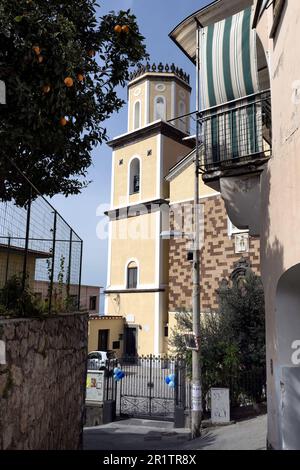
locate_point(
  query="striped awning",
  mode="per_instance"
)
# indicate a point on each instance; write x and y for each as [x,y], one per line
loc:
[228,60]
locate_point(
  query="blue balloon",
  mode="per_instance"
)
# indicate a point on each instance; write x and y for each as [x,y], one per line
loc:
[122,374]
[167,380]
[172,377]
[116,370]
[171,384]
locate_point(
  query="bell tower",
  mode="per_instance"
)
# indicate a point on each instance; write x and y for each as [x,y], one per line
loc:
[137,277]
[158,92]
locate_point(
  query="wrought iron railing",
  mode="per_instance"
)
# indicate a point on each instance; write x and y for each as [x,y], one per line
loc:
[237,132]
[160,68]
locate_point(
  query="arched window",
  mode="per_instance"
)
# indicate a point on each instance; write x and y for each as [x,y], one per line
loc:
[182,112]
[160,108]
[137,115]
[132,275]
[134,176]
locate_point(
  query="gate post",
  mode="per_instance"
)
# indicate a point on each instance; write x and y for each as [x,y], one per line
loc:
[109,405]
[150,386]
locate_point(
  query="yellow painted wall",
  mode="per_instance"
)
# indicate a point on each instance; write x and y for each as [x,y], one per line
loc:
[148,171]
[172,325]
[173,152]
[136,92]
[167,93]
[182,187]
[133,238]
[115,327]
[180,90]
[142,307]
[15,268]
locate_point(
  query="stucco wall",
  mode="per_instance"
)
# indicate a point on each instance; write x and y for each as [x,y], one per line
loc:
[140,309]
[133,238]
[147,169]
[182,187]
[280,216]
[42,384]
[115,327]
[16,266]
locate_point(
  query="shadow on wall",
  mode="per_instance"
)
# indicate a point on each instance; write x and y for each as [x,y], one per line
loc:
[272,263]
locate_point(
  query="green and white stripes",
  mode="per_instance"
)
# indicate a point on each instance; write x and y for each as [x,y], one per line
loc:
[228,62]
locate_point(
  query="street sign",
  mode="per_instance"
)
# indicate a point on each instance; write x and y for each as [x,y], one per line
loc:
[191,341]
[95,387]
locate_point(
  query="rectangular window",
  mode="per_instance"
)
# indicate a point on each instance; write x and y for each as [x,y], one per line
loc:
[278,6]
[116,345]
[93,302]
[132,278]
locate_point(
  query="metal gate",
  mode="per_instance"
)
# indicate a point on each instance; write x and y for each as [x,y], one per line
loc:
[143,391]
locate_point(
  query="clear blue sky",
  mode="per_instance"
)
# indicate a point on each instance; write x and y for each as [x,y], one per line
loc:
[156,18]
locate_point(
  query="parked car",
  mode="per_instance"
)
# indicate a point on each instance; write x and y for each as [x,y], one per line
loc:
[100,360]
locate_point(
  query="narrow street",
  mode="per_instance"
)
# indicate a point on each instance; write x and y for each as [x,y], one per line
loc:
[138,434]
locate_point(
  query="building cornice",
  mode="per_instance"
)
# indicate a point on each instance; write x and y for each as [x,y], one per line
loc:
[106,317]
[162,77]
[184,163]
[133,291]
[154,128]
[135,209]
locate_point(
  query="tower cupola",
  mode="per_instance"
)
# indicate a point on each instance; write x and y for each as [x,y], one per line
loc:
[158,92]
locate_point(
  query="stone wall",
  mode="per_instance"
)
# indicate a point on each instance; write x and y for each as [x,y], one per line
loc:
[218,258]
[42,384]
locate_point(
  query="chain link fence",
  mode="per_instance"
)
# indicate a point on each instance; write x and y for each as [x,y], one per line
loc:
[40,255]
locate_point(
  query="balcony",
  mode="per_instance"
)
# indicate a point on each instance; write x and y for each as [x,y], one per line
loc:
[237,143]
[237,136]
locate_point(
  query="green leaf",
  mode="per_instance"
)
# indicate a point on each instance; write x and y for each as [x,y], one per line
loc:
[18,19]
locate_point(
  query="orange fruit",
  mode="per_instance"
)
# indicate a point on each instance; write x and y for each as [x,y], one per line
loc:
[91,53]
[80,77]
[125,29]
[117,28]
[63,121]
[46,89]
[36,49]
[68,81]
[40,59]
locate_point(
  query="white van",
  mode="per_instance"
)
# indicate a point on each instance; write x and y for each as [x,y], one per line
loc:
[97,360]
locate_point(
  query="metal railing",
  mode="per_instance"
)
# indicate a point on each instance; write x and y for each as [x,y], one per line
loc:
[237,132]
[40,255]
